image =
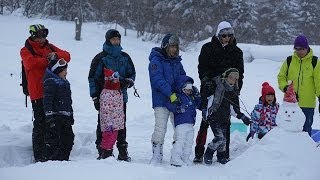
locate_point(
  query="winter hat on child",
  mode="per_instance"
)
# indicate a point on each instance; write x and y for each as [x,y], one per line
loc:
[112,33]
[231,71]
[266,90]
[57,66]
[224,28]
[38,31]
[290,95]
[301,41]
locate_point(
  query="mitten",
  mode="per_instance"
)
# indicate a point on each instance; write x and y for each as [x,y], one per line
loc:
[250,135]
[246,120]
[173,98]
[129,82]
[96,103]
[50,121]
[285,88]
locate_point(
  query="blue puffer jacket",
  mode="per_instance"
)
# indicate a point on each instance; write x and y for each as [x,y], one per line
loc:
[112,58]
[185,110]
[162,73]
[57,95]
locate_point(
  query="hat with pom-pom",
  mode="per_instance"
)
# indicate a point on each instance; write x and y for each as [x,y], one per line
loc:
[290,95]
[266,90]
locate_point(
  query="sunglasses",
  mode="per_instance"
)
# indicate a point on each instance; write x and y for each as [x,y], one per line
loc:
[299,49]
[225,35]
[60,63]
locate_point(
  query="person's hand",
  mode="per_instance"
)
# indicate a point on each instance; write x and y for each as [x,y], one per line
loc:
[285,88]
[195,91]
[50,121]
[173,98]
[129,82]
[96,103]
[250,135]
[246,120]
[52,56]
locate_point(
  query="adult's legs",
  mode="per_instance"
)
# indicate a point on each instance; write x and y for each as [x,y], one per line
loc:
[122,144]
[309,113]
[38,130]
[200,142]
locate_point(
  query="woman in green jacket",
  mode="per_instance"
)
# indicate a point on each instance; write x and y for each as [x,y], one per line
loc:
[302,68]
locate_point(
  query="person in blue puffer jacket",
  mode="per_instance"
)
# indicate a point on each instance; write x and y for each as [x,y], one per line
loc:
[184,118]
[112,57]
[164,67]
[57,105]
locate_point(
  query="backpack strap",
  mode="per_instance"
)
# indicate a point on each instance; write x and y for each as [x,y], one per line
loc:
[289,59]
[314,61]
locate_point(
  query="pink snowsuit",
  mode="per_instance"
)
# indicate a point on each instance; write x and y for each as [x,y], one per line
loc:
[111,110]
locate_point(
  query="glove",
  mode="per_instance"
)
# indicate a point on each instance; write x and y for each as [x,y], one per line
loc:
[96,103]
[50,121]
[207,83]
[285,88]
[250,135]
[246,120]
[129,82]
[195,91]
[52,56]
[173,98]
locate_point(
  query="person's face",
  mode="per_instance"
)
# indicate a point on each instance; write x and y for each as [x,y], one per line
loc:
[63,74]
[232,79]
[172,50]
[115,41]
[41,36]
[269,98]
[225,38]
[301,52]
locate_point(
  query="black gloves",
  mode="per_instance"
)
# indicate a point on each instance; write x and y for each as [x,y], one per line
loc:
[126,83]
[50,121]
[195,91]
[52,56]
[246,120]
[285,88]
[250,135]
[96,103]
[207,83]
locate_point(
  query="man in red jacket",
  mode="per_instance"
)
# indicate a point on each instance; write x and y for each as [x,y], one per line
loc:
[36,56]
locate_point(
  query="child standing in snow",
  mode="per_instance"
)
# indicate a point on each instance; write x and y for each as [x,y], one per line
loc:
[58,110]
[264,114]
[223,94]
[111,112]
[184,118]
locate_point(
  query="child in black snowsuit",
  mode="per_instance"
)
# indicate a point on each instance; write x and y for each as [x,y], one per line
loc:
[222,95]
[58,110]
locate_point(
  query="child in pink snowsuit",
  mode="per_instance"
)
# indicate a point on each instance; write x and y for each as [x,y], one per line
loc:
[111,112]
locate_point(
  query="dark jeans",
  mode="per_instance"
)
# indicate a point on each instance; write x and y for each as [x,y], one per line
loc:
[38,130]
[59,139]
[308,112]
[122,134]
[202,138]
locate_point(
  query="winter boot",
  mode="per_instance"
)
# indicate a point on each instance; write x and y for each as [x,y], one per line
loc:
[157,150]
[176,161]
[106,153]
[199,150]
[223,160]
[123,153]
[208,155]
[99,152]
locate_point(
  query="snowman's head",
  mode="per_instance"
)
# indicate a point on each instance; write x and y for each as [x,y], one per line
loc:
[290,117]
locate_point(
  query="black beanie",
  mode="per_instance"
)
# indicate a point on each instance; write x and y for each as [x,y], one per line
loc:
[112,33]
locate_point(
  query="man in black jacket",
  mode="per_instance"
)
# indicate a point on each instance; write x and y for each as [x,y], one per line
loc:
[215,58]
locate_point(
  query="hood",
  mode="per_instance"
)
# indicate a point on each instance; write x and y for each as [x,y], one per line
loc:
[181,81]
[158,52]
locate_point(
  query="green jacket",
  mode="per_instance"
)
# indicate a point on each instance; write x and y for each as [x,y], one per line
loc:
[306,79]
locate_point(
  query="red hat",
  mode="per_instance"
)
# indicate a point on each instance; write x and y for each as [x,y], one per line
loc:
[266,89]
[290,95]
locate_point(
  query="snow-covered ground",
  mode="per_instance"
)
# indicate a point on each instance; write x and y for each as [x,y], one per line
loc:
[280,155]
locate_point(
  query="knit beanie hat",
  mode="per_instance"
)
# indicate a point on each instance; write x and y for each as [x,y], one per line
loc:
[301,41]
[266,90]
[224,28]
[112,33]
[231,71]
[290,95]
[170,39]
[57,66]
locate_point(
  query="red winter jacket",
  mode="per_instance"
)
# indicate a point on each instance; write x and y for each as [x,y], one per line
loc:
[36,65]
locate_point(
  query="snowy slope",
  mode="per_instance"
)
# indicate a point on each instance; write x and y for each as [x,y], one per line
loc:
[16,124]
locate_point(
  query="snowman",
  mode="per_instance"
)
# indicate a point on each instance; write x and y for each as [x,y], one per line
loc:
[290,116]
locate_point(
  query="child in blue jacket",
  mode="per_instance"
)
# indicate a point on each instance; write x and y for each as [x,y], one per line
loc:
[184,118]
